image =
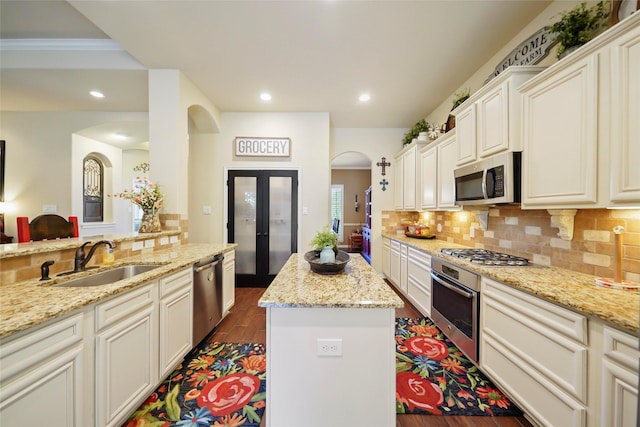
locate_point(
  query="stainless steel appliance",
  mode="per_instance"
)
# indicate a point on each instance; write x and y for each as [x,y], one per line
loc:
[207,296]
[490,181]
[455,304]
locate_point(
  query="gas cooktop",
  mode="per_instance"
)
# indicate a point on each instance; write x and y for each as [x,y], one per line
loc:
[485,257]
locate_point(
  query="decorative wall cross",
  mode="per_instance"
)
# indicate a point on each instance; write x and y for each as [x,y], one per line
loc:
[384,164]
[384,184]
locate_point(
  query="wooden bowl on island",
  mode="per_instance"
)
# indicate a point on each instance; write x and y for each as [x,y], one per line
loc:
[337,267]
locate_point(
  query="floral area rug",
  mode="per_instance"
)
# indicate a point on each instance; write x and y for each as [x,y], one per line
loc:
[220,385]
[434,377]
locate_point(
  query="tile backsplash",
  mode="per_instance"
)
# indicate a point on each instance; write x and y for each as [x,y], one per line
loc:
[529,234]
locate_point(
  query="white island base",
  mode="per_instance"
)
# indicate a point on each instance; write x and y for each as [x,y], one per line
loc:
[330,347]
[356,388]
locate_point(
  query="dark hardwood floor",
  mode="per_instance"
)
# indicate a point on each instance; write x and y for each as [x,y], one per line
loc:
[247,323]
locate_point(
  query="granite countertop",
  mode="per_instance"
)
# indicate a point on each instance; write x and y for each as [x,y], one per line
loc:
[31,302]
[569,289]
[359,286]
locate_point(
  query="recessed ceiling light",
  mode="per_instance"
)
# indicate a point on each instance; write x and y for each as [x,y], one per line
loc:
[365,97]
[265,96]
[96,94]
[120,136]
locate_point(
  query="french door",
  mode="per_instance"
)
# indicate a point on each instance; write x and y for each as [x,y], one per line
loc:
[263,221]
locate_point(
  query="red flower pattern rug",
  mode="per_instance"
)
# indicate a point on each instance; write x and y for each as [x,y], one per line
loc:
[434,377]
[217,385]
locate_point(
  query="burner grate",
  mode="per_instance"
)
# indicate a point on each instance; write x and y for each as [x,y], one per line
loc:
[486,257]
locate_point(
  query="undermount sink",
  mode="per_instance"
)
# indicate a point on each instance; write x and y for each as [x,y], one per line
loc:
[109,276]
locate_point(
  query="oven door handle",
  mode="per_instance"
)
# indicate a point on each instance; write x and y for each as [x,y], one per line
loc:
[452,287]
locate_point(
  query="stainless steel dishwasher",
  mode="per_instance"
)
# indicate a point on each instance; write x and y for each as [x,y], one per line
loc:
[207,296]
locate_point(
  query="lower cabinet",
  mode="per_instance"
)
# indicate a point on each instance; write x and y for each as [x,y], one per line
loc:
[228,281]
[419,280]
[43,369]
[176,305]
[126,353]
[619,398]
[97,365]
[386,257]
[537,351]
[394,264]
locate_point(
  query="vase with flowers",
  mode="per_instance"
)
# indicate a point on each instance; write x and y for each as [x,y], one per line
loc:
[149,198]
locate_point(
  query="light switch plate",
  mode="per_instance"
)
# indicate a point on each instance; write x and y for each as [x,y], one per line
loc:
[164,241]
[49,208]
[173,239]
[137,246]
[149,243]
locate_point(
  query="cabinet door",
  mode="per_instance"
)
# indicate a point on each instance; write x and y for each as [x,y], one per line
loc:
[493,121]
[386,258]
[446,165]
[228,281]
[619,379]
[41,377]
[398,186]
[394,267]
[403,268]
[466,135]
[560,137]
[625,126]
[419,281]
[429,174]
[126,355]
[176,319]
[409,178]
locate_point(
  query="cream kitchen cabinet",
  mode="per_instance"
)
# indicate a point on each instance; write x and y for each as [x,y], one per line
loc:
[419,280]
[489,121]
[407,191]
[386,257]
[228,281]
[126,353]
[43,368]
[581,136]
[394,264]
[429,174]
[175,314]
[537,352]
[404,259]
[619,395]
[446,186]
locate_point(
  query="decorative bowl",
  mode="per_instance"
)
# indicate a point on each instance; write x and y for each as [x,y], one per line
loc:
[327,268]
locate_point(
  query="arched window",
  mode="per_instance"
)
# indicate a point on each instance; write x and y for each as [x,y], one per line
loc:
[93,190]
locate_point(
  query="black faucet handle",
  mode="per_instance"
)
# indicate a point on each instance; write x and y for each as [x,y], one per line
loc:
[44,270]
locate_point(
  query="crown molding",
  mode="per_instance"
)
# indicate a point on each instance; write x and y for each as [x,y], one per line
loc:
[59,45]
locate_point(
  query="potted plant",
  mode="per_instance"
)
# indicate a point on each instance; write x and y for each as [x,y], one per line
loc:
[579,25]
[458,98]
[420,126]
[325,238]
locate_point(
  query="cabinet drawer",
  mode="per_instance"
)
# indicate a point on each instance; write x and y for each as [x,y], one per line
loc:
[176,282]
[533,331]
[621,348]
[542,399]
[24,352]
[121,306]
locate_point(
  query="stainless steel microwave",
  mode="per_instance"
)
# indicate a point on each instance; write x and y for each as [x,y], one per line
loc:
[490,181]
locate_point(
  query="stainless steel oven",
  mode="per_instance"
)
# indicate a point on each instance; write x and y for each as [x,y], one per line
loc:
[455,305]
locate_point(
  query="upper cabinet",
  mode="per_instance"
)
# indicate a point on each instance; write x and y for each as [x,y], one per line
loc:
[489,121]
[437,163]
[407,194]
[581,133]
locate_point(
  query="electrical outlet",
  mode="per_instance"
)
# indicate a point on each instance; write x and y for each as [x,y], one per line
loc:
[328,347]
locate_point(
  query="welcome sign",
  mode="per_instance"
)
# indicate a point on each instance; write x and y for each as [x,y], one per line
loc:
[263,147]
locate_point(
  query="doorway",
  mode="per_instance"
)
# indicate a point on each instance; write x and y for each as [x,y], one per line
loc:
[263,221]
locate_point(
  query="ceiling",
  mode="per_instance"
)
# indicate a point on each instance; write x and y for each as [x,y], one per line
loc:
[312,56]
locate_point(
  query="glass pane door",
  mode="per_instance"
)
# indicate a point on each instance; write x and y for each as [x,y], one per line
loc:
[279,222]
[244,205]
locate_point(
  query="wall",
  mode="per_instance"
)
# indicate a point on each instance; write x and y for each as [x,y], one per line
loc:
[355,182]
[309,133]
[528,233]
[475,82]
[374,143]
[39,159]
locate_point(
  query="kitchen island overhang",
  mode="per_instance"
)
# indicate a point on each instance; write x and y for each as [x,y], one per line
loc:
[330,347]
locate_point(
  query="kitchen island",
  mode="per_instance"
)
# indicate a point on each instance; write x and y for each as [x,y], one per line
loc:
[330,347]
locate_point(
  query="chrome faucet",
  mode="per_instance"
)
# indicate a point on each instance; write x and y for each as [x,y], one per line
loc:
[80,261]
